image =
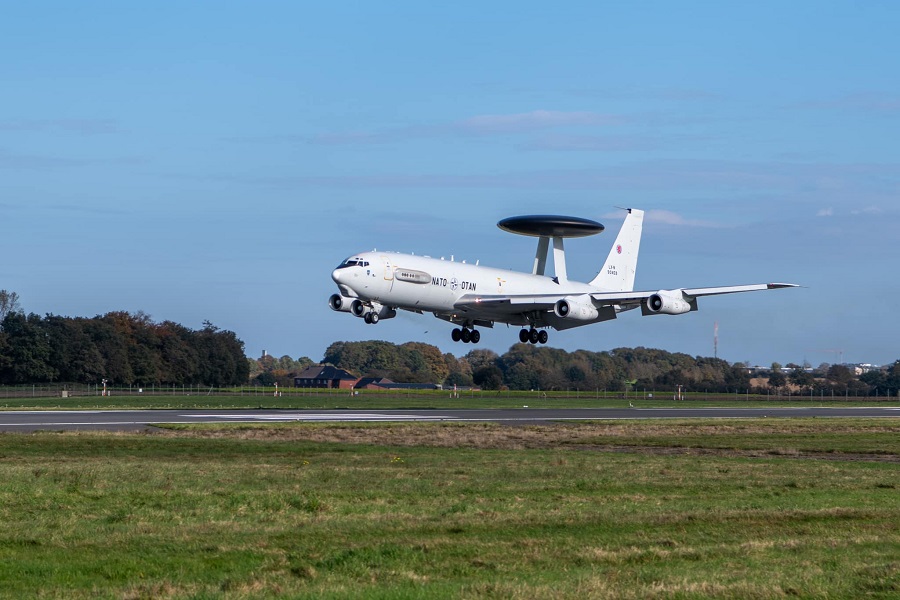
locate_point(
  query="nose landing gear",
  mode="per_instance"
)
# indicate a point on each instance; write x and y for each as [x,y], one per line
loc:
[465,335]
[533,336]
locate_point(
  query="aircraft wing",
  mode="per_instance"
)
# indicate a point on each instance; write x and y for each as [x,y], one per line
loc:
[485,310]
[507,304]
[519,303]
[626,298]
[521,309]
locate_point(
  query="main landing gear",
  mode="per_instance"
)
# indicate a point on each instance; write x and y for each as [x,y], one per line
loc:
[465,335]
[371,318]
[533,336]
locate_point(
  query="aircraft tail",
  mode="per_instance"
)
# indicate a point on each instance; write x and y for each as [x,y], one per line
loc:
[617,274]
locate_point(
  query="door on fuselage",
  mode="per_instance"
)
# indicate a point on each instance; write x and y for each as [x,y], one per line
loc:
[388,272]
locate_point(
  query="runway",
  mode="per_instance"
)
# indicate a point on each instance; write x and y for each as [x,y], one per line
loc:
[136,420]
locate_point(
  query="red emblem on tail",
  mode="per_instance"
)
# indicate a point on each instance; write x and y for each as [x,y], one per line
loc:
[619,248]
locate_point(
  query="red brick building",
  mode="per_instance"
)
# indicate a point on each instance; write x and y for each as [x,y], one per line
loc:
[325,376]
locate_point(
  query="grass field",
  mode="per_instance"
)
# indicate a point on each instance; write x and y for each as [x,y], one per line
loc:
[674,509]
[368,399]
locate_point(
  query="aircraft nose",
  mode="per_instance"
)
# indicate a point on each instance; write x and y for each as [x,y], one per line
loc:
[336,275]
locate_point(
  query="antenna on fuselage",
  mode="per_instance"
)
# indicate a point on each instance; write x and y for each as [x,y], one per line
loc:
[546,228]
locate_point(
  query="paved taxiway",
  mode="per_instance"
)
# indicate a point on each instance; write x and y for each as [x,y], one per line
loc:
[58,420]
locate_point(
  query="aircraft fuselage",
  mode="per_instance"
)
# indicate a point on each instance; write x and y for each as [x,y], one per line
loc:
[428,284]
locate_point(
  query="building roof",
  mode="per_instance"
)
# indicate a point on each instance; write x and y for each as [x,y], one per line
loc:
[386,384]
[380,381]
[409,386]
[325,372]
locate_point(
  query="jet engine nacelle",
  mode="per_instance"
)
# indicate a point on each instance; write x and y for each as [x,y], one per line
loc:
[668,302]
[340,303]
[358,308]
[361,309]
[577,308]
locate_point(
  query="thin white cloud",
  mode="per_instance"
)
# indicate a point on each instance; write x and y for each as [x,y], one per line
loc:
[591,143]
[652,176]
[666,93]
[869,210]
[668,217]
[10,160]
[91,210]
[606,143]
[535,120]
[825,212]
[479,125]
[349,137]
[870,102]
[76,126]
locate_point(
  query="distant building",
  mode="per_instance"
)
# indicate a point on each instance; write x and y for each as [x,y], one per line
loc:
[325,376]
[371,383]
[412,386]
[383,383]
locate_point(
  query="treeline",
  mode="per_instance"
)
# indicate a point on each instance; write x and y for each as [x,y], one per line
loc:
[268,370]
[123,348]
[529,367]
[130,349]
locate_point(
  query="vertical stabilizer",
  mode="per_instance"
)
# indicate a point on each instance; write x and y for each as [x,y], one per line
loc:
[617,273]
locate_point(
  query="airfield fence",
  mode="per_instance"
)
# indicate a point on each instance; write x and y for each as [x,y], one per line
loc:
[64,391]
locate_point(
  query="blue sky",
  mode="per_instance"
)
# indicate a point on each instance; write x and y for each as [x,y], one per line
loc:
[214,161]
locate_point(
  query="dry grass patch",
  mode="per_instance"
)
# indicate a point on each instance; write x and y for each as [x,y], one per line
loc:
[837,439]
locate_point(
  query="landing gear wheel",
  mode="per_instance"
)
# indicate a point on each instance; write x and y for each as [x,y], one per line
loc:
[534,336]
[368,318]
[466,336]
[543,336]
[523,336]
[476,336]
[373,318]
[455,335]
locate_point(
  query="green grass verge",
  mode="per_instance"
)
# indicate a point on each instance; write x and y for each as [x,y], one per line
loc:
[435,510]
[338,399]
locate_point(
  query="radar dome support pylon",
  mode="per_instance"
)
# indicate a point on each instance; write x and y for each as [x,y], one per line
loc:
[545,228]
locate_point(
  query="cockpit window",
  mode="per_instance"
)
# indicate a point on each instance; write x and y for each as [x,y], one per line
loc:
[354,262]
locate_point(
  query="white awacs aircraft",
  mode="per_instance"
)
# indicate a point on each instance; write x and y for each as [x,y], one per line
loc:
[374,285]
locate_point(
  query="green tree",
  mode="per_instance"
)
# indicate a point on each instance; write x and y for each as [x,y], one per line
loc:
[802,378]
[5,359]
[839,375]
[178,355]
[72,351]
[459,379]
[459,369]
[480,358]
[222,359]
[489,377]
[266,378]
[777,379]
[737,377]
[28,353]
[376,358]
[435,364]
[113,347]
[9,303]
